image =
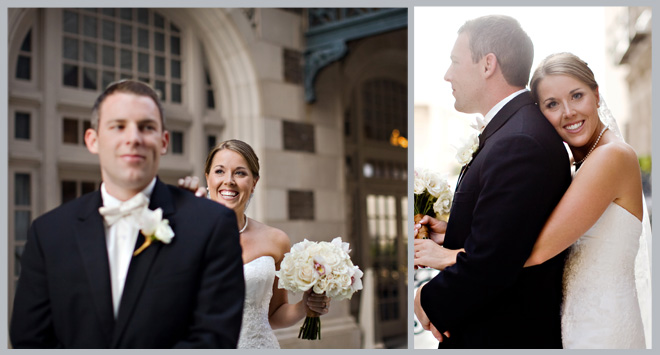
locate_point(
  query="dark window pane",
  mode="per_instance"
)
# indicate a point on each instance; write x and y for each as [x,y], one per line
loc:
[159,65]
[89,52]
[90,9]
[143,38]
[26,46]
[175,45]
[210,101]
[174,28]
[23,67]
[176,93]
[70,75]
[87,124]
[177,142]
[159,41]
[208,77]
[159,21]
[160,88]
[109,56]
[126,14]
[108,30]
[126,34]
[90,25]
[88,187]
[126,59]
[21,224]
[68,191]
[143,62]
[175,70]
[70,131]
[108,12]
[125,76]
[70,21]
[143,16]
[145,80]
[22,189]
[22,125]
[211,141]
[70,48]
[107,79]
[90,80]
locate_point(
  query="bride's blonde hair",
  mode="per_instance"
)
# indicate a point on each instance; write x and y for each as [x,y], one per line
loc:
[562,64]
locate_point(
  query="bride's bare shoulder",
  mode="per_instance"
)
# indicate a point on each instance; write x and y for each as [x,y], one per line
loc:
[278,241]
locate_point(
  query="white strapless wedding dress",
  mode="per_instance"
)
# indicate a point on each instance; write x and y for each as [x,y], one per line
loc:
[601,308]
[256,332]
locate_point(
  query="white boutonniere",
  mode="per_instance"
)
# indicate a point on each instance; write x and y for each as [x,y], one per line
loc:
[466,150]
[154,227]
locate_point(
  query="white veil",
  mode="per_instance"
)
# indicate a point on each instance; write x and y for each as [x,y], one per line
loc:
[643,259]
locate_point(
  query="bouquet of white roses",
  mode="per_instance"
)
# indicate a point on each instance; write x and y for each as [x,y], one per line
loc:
[322,267]
[432,197]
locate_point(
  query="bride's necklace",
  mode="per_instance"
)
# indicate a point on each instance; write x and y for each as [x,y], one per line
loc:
[593,146]
[245,226]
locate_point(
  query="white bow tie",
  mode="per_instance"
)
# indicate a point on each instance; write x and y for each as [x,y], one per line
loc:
[127,208]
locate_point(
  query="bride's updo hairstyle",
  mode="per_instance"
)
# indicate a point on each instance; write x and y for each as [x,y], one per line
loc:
[239,147]
[562,64]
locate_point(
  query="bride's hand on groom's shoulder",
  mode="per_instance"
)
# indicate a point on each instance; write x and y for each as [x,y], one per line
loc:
[316,303]
[191,183]
[437,228]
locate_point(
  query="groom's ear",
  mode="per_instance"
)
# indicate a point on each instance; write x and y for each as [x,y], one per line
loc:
[91,140]
[489,65]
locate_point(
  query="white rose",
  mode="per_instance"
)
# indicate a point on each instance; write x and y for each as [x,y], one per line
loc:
[435,183]
[419,184]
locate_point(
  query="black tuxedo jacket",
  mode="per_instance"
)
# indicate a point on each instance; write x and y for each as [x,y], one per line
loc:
[186,294]
[504,196]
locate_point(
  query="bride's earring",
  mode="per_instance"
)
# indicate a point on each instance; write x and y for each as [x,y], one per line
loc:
[208,193]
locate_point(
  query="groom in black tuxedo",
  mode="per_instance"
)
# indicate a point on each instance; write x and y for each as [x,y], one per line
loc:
[503,198]
[81,286]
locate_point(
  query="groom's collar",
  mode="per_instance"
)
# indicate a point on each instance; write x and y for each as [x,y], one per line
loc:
[111,201]
[493,111]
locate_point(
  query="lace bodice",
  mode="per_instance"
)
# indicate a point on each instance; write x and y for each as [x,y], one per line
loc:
[256,332]
[600,308]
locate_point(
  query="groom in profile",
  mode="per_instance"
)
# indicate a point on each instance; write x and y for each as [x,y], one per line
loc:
[503,197]
[81,286]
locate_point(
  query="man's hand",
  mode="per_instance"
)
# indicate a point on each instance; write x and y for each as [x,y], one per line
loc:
[191,183]
[436,227]
[419,311]
[424,320]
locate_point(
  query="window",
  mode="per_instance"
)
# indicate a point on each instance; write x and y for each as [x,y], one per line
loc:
[22,125]
[104,45]
[24,64]
[210,99]
[73,130]
[211,141]
[22,215]
[177,142]
[72,189]
[385,110]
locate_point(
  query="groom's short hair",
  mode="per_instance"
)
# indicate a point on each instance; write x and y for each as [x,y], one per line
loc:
[130,87]
[502,36]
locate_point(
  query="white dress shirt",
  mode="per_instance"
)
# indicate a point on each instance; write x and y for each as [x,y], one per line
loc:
[120,240]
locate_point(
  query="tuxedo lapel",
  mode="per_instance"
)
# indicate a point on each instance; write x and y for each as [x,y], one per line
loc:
[495,124]
[90,234]
[140,265]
